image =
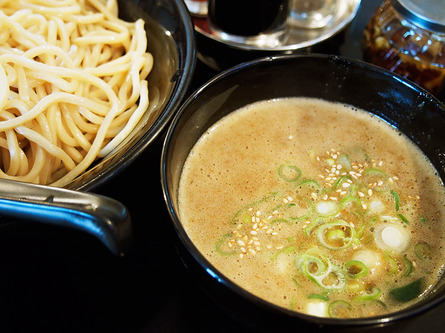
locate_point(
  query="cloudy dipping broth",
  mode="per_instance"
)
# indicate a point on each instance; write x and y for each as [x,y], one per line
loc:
[317,207]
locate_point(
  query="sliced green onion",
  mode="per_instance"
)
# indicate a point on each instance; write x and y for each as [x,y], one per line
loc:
[408,292]
[219,246]
[339,243]
[378,178]
[339,309]
[289,173]
[403,218]
[330,277]
[315,222]
[423,251]
[396,199]
[309,182]
[318,296]
[393,267]
[372,295]
[408,266]
[348,200]
[280,221]
[339,181]
[318,268]
[343,159]
[356,269]
[376,172]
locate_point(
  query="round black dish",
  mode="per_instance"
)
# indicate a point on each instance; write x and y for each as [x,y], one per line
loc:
[404,105]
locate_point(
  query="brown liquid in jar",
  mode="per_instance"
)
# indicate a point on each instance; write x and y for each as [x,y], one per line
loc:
[392,42]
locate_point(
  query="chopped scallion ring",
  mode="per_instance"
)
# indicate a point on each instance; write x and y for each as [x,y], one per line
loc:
[371,295]
[340,240]
[356,269]
[318,296]
[222,243]
[423,251]
[339,309]
[396,199]
[289,173]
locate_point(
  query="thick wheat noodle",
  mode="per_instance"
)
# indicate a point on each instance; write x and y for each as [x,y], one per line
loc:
[72,86]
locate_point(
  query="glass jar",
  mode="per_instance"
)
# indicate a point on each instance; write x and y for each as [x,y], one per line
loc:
[408,38]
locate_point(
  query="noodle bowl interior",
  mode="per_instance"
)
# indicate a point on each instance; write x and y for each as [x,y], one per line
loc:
[317,207]
[72,86]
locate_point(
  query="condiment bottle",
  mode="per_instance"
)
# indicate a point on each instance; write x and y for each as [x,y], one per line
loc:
[408,38]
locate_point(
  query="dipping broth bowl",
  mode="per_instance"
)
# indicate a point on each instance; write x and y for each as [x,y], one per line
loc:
[402,104]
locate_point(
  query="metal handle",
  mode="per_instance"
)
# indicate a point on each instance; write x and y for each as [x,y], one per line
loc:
[103,217]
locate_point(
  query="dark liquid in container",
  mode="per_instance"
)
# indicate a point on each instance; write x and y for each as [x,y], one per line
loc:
[247,17]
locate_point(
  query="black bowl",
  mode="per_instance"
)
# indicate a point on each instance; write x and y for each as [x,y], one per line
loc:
[406,106]
[170,35]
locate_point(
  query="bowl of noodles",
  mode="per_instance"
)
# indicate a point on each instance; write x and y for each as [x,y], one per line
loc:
[85,86]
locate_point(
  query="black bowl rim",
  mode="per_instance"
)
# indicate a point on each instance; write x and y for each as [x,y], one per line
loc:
[185,74]
[412,311]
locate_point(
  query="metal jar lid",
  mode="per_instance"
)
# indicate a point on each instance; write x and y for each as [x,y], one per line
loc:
[427,14]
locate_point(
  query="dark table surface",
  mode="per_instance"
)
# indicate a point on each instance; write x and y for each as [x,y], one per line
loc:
[58,280]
